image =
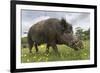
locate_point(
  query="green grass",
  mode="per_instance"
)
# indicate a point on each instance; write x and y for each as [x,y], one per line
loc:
[66,54]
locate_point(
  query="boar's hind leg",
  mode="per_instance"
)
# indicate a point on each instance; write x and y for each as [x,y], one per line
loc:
[36,47]
[30,46]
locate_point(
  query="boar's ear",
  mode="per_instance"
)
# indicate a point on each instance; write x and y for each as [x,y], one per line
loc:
[63,23]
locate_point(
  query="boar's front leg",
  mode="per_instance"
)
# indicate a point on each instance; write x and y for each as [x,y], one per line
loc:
[55,48]
[47,48]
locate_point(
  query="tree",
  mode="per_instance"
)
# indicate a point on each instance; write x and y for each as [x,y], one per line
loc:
[87,34]
[81,34]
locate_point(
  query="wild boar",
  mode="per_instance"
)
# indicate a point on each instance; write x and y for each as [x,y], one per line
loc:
[51,32]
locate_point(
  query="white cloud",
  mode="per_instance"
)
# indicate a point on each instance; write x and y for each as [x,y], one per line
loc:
[79,20]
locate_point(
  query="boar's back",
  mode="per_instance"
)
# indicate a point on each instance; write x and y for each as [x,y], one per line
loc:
[45,31]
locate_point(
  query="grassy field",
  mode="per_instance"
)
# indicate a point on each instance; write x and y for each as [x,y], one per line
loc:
[66,54]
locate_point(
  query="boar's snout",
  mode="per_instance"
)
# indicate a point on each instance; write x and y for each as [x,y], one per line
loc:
[77,45]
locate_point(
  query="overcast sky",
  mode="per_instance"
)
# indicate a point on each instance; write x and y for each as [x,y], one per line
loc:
[76,19]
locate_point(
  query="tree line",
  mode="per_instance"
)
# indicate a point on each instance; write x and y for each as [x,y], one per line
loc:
[82,34]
